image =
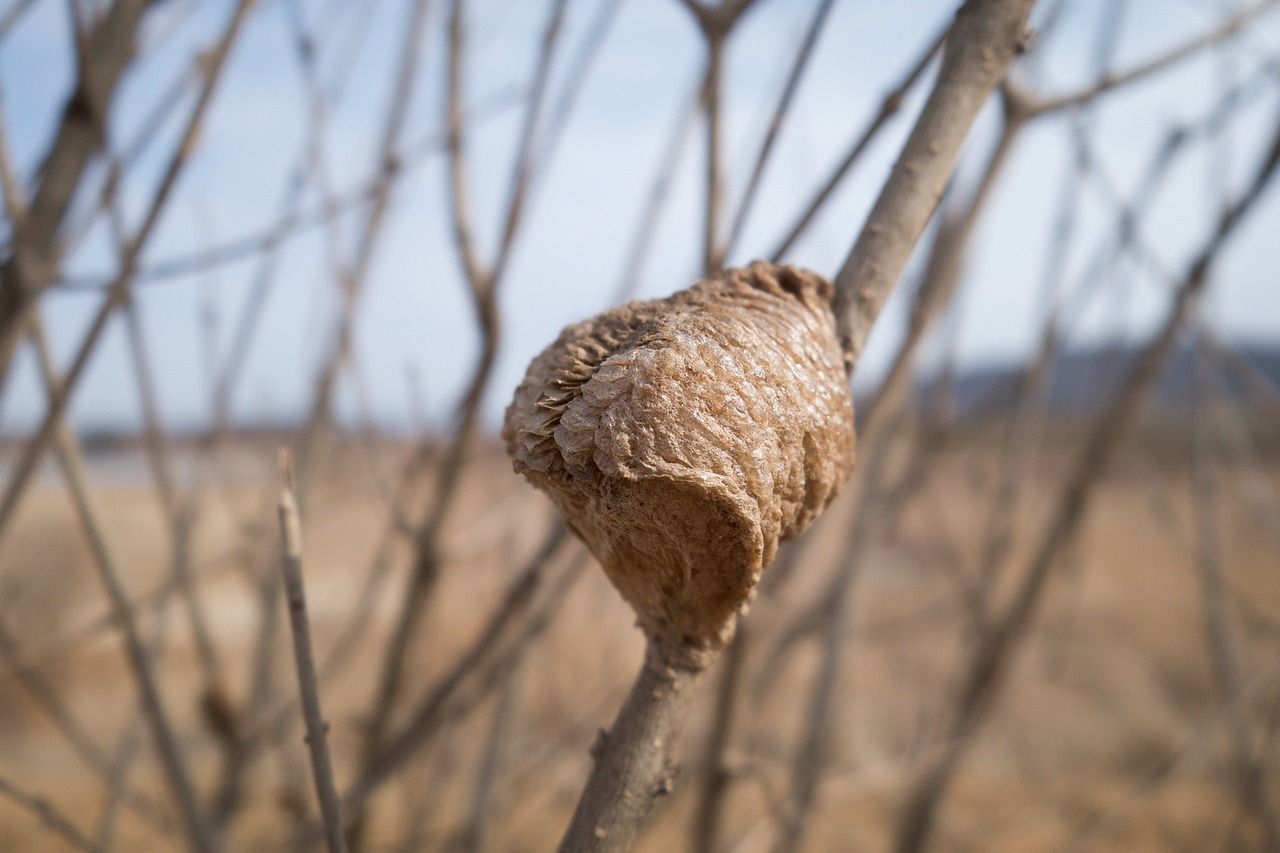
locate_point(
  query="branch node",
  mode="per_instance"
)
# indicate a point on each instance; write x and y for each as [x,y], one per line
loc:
[598,745]
[667,781]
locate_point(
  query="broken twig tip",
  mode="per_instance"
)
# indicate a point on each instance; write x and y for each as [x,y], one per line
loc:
[285,462]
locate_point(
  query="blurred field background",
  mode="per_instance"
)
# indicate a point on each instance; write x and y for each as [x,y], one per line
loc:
[1044,614]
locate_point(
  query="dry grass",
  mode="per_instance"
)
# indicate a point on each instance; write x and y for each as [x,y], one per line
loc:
[1113,684]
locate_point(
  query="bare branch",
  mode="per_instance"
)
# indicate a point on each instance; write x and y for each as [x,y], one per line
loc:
[716,23]
[483,812]
[352,279]
[1224,653]
[889,107]
[308,687]
[979,47]
[576,78]
[117,293]
[820,14]
[48,814]
[711,91]
[172,758]
[180,512]
[426,718]
[638,253]
[996,646]
[477,278]
[1110,82]
[526,146]
[632,760]
[482,285]
[716,775]
[26,273]
[13,15]
[292,219]
[484,665]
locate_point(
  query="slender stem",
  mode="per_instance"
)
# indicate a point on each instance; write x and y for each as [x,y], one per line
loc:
[293,219]
[655,201]
[526,148]
[990,660]
[425,719]
[982,42]
[179,510]
[711,91]
[352,276]
[308,684]
[484,666]
[482,283]
[716,23]
[1155,64]
[48,814]
[20,477]
[837,607]
[709,815]
[486,806]
[1224,654]
[172,759]
[427,559]
[27,270]
[889,107]
[820,14]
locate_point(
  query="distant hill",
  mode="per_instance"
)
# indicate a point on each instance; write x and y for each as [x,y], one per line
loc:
[1083,380]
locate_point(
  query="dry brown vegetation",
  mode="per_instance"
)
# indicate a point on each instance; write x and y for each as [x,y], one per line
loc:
[1108,735]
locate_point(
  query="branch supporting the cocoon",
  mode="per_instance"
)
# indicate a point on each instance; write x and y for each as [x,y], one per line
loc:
[982,42]
[632,760]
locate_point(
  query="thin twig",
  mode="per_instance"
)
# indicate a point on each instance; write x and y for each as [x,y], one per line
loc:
[26,272]
[879,505]
[526,146]
[1143,70]
[1193,745]
[483,812]
[13,15]
[655,201]
[816,24]
[482,286]
[576,77]
[995,648]
[20,477]
[48,814]
[293,220]
[711,98]
[172,759]
[117,788]
[46,697]
[352,278]
[716,774]
[980,45]
[308,687]
[1224,654]
[889,107]
[425,719]
[483,666]
[716,24]
[180,511]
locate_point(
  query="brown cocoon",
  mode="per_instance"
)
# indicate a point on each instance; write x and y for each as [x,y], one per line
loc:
[684,438]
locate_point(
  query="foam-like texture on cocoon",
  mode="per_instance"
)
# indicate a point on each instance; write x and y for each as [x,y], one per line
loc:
[684,438]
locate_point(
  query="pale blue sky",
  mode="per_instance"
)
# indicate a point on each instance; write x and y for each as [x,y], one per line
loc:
[567,260]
